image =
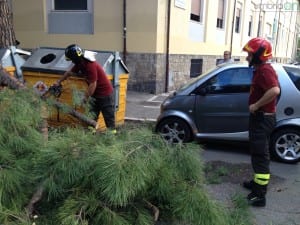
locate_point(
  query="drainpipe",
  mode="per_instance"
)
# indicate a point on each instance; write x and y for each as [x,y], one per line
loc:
[295,41]
[124,32]
[288,41]
[277,33]
[168,47]
[232,26]
[259,21]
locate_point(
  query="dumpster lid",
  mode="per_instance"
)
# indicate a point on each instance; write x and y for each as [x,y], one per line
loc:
[4,53]
[47,59]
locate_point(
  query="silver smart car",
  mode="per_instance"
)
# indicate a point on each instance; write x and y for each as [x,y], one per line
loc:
[215,106]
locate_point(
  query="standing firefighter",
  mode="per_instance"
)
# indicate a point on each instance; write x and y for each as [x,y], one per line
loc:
[99,87]
[262,120]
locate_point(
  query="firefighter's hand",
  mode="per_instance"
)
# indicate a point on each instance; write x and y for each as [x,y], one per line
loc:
[57,83]
[253,108]
[84,100]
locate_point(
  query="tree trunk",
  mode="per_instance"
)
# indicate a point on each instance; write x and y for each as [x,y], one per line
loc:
[7,33]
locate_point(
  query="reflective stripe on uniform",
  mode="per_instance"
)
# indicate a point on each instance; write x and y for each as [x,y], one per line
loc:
[262,179]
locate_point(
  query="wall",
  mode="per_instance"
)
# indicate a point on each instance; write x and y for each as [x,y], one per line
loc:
[146,38]
[30,21]
[151,70]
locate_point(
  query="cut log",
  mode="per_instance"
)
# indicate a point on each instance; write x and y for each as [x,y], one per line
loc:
[75,113]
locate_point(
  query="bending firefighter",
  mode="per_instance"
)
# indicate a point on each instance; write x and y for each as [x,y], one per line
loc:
[262,120]
[99,87]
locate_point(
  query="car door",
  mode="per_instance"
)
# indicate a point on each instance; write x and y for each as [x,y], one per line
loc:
[222,102]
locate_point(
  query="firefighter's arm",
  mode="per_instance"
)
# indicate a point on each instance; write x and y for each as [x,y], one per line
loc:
[91,89]
[64,77]
[265,99]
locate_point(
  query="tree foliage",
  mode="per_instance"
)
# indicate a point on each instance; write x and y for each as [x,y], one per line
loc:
[77,177]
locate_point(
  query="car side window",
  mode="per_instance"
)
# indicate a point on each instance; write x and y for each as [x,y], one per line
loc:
[230,81]
[294,74]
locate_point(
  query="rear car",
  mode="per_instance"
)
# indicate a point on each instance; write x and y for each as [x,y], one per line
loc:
[214,106]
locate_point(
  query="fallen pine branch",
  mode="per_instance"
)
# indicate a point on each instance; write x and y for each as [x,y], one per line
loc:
[7,80]
[36,197]
[155,210]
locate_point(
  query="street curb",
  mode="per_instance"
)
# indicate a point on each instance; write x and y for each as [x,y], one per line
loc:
[139,119]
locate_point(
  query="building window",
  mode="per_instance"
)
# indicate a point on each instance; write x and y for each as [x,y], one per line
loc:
[238,19]
[196,67]
[269,31]
[197,10]
[250,26]
[70,17]
[65,5]
[220,17]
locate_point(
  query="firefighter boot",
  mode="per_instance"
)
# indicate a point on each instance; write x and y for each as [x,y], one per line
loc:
[258,195]
[248,184]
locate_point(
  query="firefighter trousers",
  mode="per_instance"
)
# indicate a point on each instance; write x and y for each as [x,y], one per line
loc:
[260,129]
[105,105]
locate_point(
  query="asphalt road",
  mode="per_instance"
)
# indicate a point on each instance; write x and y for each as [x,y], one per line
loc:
[143,106]
[283,197]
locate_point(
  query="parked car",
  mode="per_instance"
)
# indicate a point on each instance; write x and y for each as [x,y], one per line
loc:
[215,106]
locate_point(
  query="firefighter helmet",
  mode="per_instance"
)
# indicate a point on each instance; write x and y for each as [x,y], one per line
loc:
[74,53]
[260,48]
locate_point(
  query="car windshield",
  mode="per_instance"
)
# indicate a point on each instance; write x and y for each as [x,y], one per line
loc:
[294,74]
[195,79]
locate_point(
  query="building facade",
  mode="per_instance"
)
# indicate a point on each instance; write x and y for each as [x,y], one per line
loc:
[163,42]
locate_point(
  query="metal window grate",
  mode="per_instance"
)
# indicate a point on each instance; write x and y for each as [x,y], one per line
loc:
[196,67]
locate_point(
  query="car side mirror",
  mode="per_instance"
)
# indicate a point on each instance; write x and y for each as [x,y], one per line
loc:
[201,91]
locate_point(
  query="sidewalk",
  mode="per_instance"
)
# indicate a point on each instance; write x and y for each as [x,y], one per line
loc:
[143,106]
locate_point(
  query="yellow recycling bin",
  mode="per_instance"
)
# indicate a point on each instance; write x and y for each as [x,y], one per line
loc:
[47,65]
[11,70]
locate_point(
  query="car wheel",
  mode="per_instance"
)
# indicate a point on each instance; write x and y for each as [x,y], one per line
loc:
[174,130]
[285,145]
